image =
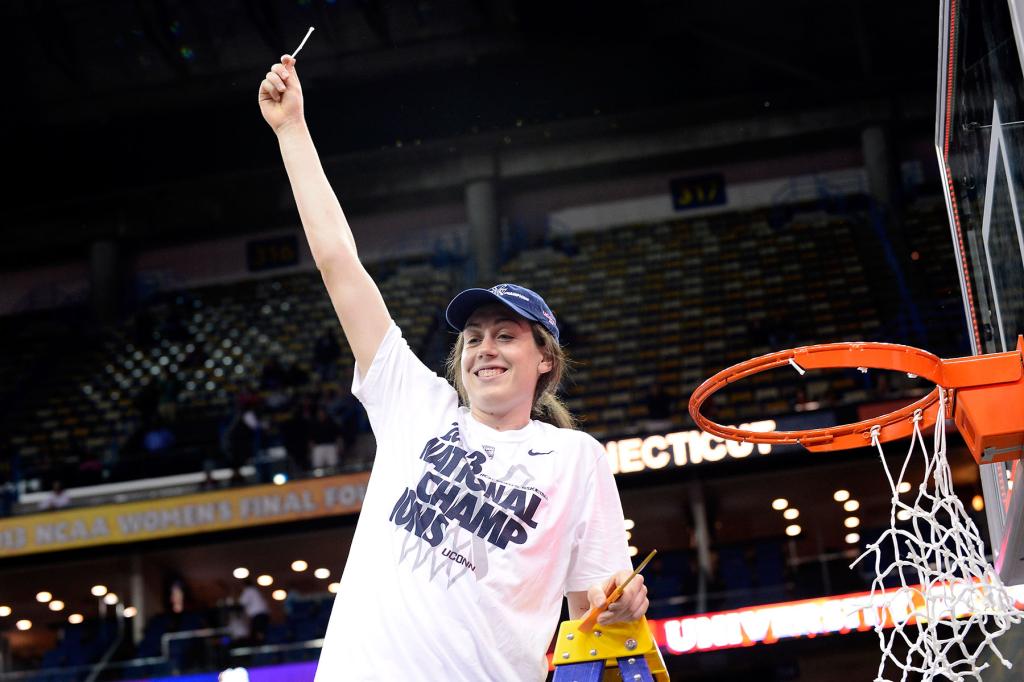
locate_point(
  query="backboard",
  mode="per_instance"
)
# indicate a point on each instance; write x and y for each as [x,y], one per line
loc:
[979,138]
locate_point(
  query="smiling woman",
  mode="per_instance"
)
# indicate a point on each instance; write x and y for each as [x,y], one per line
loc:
[485,507]
[494,335]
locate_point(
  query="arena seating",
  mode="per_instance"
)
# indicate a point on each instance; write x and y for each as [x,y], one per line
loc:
[211,343]
[666,303]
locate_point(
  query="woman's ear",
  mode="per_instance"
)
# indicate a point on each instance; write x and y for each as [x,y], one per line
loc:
[546,364]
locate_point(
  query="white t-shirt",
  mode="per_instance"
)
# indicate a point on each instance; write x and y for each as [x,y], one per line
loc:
[468,538]
[252,601]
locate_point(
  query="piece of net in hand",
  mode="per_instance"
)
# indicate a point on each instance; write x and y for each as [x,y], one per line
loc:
[948,604]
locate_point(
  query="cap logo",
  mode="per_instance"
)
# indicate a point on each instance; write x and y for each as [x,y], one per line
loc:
[502,290]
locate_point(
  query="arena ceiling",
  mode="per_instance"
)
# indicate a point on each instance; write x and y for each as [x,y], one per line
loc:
[123,105]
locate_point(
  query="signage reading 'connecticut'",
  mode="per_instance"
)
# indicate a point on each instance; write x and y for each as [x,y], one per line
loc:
[174,516]
[681,448]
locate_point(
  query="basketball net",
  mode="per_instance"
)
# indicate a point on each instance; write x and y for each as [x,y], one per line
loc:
[938,587]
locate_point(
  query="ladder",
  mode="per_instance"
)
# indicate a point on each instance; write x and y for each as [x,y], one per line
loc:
[625,651]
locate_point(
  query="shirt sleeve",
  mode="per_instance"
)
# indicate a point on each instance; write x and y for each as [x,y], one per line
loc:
[397,386]
[599,547]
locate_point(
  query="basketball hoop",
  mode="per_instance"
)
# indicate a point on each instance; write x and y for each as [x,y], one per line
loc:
[980,388]
[942,581]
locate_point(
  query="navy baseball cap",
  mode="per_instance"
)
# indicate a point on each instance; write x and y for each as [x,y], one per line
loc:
[521,300]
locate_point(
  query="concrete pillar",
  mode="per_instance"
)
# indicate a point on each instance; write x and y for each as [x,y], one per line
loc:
[481,192]
[137,598]
[881,165]
[702,538]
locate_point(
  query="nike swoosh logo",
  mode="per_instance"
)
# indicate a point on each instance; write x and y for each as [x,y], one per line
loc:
[531,453]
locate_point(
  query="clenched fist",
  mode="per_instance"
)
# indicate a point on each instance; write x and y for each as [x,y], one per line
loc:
[280,95]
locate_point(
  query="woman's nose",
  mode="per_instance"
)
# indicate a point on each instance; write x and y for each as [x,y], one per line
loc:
[486,346]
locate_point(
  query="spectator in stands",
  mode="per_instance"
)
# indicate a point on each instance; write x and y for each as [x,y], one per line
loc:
[348,413]
[561,528]
[180,615]
[8,488]
[295,432]
[8,498]
[256,610]
[168,389]
[177,595]
[57,498]
[274,382]
[272,377]
[158,440]
[294,375]
[324,435]
[241,438]
[326,353]
[146,402]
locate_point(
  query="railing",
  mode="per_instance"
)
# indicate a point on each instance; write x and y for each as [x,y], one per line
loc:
[248,651]
[104,668]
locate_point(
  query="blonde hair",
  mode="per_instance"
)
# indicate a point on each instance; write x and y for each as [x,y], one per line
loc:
[547,406]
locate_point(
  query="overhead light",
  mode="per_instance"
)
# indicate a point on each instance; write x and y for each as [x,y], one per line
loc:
[841,495]
[780,503]
[131,612]
[903,515]
[110,599]
[852,538]
[299,565]
[333,588]
[98,590]
[629,524]
[264,580]
[851,522]
[75,618]
[23,624]
[904,487]
[629,535]
[633,551]
[279,479]
[322,573]
[5,611]
[791,513]
[241,573]
[43,597]
[851,505]
[977,503]
[56,605]
[793,530]
[279,595]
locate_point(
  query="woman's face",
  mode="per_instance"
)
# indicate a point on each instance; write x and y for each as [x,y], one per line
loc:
[501,362]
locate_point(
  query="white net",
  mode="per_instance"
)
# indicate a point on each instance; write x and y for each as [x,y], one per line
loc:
[946,603]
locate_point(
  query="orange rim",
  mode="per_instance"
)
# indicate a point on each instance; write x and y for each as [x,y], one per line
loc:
[867,355]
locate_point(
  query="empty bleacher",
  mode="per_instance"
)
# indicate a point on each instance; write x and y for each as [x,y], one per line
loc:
[667,303]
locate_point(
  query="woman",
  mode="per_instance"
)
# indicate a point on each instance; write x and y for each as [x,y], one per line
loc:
[477,519]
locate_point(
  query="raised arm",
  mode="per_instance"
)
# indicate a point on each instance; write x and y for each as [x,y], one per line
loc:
[360,307]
